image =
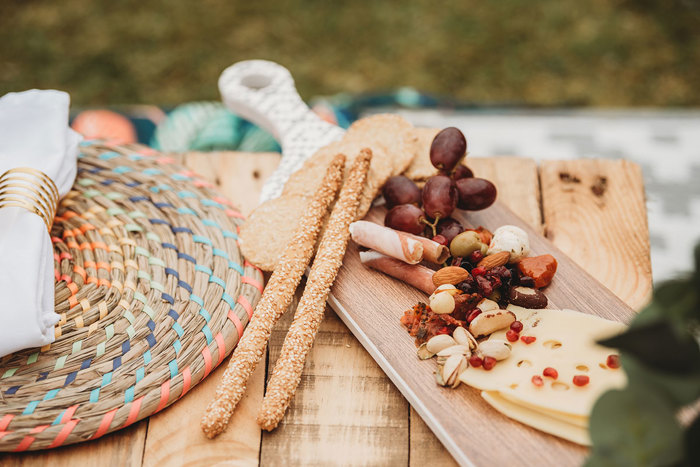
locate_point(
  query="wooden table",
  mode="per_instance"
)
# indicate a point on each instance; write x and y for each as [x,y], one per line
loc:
[346,411]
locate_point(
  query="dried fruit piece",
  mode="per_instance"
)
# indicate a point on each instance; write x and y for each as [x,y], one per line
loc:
[550,372]
[449,275]
[540,268]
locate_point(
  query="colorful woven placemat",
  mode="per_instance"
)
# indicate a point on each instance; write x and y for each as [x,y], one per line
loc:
[153,293]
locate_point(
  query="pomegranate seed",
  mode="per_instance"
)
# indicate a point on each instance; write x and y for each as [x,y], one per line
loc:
[475,361]
[516,326]
[613,361]
[512,336]
[473,315]
[537,381]
[489,362]
[478,271]
[528,339]
[581,380]
[441,240]
[550,372]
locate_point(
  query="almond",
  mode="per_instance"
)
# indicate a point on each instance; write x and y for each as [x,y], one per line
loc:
[491,261]
[449,275]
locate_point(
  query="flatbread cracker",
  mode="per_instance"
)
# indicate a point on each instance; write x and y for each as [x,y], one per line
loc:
[421,168]
[274,218]
[307,179]
[388,131]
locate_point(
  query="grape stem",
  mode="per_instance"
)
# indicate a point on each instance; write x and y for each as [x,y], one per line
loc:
[432,225]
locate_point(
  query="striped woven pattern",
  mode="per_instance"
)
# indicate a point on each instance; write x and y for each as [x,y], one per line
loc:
[152,291]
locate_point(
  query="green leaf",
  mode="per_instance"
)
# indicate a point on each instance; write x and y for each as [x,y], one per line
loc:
[634,427]
[658,345]
[679,390]
[692,443]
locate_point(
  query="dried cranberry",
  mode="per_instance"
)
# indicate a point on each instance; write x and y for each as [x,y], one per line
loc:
[550,372]
[476,256]
[484,285]
[456,261]
[581,380]
[473,314]
[468,285]
[495,282]
[527,281]
[478,271]
[537,381]
[475,361]
[489,363]
[516,326]
[613,361]
[512,336]
[502,273]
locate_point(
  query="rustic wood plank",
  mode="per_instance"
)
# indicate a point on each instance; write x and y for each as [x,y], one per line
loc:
[518,188]
[123,448]
[345,411]
[517,183]
[594,211]
[174,436]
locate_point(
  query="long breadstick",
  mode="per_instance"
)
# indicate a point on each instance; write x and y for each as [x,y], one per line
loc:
[275,299]
[307,319]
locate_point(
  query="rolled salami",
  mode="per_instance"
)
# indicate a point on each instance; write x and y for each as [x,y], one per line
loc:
[433,252]
[414,275]
[390,242]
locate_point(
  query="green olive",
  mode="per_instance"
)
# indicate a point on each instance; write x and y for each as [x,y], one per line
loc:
[465,244]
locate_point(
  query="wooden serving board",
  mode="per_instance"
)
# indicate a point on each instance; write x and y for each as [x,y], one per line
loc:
[371,304]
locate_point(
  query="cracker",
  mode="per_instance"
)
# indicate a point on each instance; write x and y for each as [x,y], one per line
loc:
[421,168]
[306,180]
[270,227]
[387,131]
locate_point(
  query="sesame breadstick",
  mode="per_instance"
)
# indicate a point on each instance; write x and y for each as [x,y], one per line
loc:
[276,298]
[309,314]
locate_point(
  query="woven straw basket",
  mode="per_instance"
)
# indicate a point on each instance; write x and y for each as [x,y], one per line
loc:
[152,291]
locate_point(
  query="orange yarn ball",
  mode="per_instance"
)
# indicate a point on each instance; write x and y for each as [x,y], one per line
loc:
[105,124]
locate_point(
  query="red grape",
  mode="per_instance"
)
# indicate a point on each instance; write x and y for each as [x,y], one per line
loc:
[400,189]
[449,228]
[407,218]
[439,197]
[462,171]
[475,193]
[447,149]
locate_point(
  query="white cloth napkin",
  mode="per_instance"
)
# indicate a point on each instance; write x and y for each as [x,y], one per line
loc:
[34,133]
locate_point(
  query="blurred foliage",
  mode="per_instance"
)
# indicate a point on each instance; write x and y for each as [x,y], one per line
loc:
[534,52]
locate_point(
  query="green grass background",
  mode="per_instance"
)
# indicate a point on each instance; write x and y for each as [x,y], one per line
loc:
[534,52]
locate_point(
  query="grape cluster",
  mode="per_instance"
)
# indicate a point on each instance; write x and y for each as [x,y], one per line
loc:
[414,210]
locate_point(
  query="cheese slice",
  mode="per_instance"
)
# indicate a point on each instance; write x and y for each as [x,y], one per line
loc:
[538,420]
[575,420]
[564,340]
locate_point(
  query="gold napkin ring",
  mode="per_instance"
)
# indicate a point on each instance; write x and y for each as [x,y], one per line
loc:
[30,189]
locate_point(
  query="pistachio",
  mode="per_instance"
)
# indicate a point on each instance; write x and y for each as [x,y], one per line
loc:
[439,342]
[460,349]
[491,321]
[496,348]
[424,353]
[487,305]
[464,364]
[464,337]
[451,367]
[466,243]
[438,376]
